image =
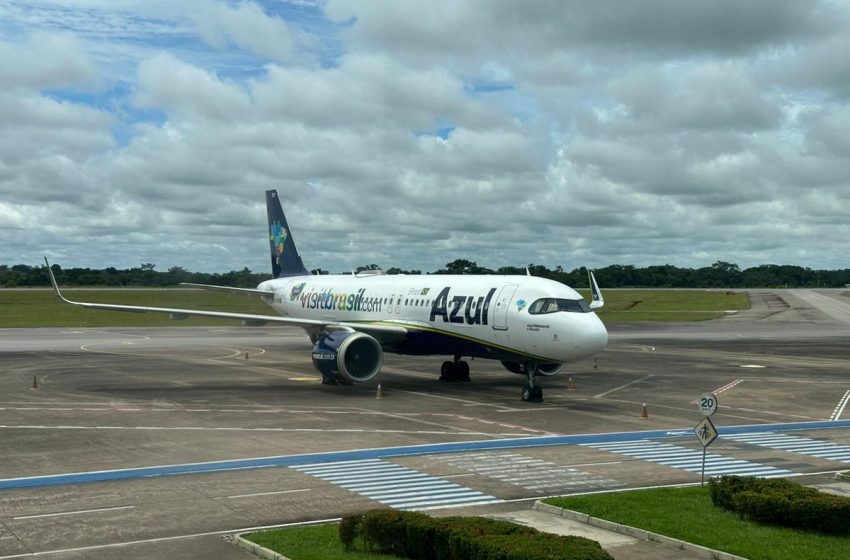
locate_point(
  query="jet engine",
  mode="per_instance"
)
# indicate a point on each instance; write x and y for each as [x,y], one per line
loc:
[351,356]
[542,369]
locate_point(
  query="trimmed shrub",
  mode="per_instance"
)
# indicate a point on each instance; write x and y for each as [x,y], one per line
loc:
[349,528]
[782,502]
[420,537]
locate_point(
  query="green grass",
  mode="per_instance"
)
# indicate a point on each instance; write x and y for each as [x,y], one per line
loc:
[40,308]
[688,514]
[312,542]
[626,306]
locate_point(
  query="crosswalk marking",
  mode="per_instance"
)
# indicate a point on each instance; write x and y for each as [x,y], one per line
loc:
[396,486]
[688,459]
[527,472]
[796,444]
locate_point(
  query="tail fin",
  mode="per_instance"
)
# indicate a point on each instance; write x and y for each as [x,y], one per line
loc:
[285,259]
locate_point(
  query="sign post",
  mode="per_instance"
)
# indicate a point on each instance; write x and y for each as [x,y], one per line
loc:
[705,430]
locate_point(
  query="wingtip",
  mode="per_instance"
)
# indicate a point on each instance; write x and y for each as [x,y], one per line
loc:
[597,300]
[53,281]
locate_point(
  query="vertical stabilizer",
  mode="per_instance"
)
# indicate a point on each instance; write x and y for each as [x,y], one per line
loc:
[285,259]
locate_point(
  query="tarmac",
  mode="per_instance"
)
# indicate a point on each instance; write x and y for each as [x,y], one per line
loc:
[129,408]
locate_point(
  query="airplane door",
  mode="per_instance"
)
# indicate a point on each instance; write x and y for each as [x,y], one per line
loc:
[500,310]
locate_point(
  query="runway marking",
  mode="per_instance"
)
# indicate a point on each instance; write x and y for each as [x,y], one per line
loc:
[687,459]
[465,401]
[839,408]
[527,472]
[723,389]
[796,444]
[396,486]
[600,395]
[279,430]
[386,452]
[155,540]
[78,512]
[237,496]
[237,353]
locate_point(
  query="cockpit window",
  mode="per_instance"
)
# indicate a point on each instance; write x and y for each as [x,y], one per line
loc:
[551,305]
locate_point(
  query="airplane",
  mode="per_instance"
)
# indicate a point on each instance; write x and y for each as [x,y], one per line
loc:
[532,325]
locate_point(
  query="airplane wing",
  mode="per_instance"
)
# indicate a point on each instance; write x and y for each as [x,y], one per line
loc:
[387,332]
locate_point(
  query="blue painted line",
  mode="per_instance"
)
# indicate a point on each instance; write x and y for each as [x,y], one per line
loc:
[385,452]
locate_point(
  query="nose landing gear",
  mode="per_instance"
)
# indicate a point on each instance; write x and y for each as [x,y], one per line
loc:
[530,391]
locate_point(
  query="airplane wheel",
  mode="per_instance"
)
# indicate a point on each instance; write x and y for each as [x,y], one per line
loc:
[526,393]
[537,394]
[447,371]
[463,371]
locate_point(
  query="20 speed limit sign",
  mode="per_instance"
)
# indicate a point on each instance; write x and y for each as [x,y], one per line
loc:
[707,403]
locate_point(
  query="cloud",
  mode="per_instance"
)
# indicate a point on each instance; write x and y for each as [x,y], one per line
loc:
[247,26]
[168,83]
[561,133]
[651,28]
[44,60]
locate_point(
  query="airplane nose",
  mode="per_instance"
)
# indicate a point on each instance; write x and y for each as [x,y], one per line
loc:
[592,339]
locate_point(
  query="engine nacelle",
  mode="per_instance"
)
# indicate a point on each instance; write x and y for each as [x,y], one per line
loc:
[352,356]
[542,369]
[549,369]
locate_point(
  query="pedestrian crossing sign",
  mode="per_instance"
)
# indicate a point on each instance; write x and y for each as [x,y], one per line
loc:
[706,432]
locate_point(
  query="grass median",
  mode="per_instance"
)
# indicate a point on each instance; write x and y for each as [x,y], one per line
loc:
[40,308]
[311,542]
[689,515]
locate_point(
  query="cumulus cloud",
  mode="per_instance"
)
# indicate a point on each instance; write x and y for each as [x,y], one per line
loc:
[248,26]
[44,59]
[561,133]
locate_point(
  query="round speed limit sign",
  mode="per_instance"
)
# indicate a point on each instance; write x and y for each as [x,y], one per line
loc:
[707,404]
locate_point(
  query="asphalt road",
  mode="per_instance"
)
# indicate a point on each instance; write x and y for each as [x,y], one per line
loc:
[258,441]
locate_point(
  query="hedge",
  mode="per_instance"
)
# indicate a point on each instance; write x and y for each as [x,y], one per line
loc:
[782,502]
[420,537]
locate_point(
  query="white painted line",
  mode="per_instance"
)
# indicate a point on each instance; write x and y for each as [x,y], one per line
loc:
[79,512]
[278,430]
[167,539]
[595,464]
[723,389]
[466,402]
[237,496]
[839,408]
[600,395]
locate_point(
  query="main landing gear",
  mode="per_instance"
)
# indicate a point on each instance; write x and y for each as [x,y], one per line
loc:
[530,391]
[458,370]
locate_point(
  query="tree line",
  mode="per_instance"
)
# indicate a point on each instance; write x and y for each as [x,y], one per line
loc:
[718,275]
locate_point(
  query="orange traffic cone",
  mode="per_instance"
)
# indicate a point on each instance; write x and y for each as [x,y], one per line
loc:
[643,412]
[380,393]
[34,383]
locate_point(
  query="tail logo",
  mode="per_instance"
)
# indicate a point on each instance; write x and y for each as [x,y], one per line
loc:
[278,235]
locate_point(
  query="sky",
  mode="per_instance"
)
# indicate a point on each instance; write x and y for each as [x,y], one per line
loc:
[411,134]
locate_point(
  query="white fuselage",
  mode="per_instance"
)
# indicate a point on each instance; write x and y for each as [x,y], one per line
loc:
[482,316]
